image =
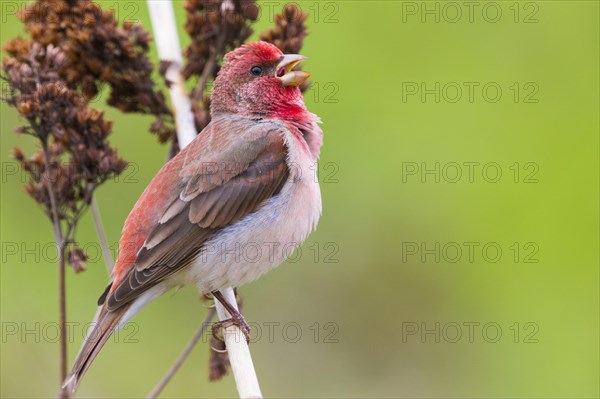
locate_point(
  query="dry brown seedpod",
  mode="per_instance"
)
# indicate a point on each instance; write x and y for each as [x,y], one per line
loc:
[98,52]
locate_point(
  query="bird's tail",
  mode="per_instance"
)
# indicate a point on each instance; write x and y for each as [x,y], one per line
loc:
[105,323]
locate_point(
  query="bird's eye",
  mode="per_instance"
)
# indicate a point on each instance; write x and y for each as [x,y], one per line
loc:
[256,70]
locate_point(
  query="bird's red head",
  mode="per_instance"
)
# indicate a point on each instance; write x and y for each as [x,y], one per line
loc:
[258,80]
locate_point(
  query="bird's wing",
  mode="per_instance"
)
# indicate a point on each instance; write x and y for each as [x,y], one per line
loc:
[214,190]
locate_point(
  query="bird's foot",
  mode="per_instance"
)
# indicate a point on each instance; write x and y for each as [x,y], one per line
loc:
[235,320]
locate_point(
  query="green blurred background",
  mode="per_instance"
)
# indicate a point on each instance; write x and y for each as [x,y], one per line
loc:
[381,280]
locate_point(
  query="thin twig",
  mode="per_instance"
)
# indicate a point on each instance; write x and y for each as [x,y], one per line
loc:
[60,241]
[73,223]
[60,247]
[186,352]
[108,259]
[209,67]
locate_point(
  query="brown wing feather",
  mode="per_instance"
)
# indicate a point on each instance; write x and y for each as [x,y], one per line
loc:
[191,220]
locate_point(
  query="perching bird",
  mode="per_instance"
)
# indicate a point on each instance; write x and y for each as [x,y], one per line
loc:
[247,179]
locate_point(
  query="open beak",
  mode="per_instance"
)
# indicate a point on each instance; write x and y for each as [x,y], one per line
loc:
[286,74]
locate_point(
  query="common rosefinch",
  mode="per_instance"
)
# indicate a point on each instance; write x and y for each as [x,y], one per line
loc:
[247,178]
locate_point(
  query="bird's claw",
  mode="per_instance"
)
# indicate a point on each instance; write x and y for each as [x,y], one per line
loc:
[218,350]
[235,320]
[208,298]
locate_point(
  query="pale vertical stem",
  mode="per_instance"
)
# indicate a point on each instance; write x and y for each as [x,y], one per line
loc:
[169,49]
[108,259]
[238,352]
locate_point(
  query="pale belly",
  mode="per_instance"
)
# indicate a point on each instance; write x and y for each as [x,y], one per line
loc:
[259,242]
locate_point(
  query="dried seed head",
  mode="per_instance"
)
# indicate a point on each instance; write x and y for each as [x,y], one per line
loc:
[215,26]
[94,51]
[218,362]
[79,155]
[77,258]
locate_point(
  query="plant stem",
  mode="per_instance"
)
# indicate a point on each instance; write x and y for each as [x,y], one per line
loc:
[60,248]
[108,259]
[63,317]
[209,68]
[238,352]
[162,17]
[186,352]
